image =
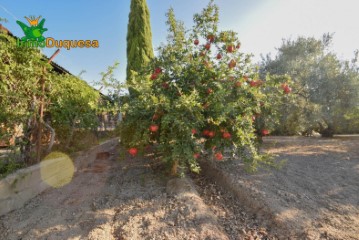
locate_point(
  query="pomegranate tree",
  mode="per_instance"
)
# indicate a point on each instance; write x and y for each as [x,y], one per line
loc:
[201,101]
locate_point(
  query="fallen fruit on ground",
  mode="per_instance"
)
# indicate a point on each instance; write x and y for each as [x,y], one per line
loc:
[219,156]
[133,151]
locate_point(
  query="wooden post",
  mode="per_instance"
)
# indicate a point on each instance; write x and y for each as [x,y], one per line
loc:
[53,55]
[41,109]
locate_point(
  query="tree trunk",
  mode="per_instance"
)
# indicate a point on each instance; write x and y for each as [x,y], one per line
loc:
[52,139]
[71,134]
[174,169]
[327,131]
[26,143]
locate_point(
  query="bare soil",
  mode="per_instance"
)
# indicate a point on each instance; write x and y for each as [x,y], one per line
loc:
[114,199]
[237,222]
[315,195]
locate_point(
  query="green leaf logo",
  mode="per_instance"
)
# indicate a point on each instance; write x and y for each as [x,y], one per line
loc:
[35,30]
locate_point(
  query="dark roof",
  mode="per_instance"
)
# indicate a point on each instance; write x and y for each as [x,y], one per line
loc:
[58,68]
[4,29]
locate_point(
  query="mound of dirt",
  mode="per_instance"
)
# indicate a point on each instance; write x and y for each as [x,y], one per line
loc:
[115,199]
[314,196]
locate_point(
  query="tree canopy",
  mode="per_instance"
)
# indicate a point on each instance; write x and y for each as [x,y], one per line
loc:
[326,88]
[69,101]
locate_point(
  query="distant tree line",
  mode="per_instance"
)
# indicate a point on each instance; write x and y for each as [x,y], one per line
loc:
[325,88]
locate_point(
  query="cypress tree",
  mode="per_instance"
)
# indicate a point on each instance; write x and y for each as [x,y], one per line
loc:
[139,37]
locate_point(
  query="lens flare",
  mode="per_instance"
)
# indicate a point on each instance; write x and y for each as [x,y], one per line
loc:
[57,169]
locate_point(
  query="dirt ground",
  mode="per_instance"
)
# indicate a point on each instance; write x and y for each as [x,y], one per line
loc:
[316,193]
[122,200]
[235,219]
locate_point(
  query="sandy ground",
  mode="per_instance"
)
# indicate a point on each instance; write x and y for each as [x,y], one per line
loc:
[234,217]
[316,193]
[122,200]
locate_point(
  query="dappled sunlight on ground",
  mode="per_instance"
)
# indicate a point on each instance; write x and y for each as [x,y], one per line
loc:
[307,146]
[69,210]
[307,150]
[289,214]
[315,192]
[111,199]
[357,168]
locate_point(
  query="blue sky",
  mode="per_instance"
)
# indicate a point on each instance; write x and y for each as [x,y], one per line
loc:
[261,24]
